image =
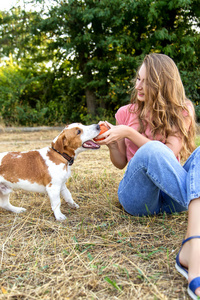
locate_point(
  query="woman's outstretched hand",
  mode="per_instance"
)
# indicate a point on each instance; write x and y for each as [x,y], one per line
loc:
[114,134]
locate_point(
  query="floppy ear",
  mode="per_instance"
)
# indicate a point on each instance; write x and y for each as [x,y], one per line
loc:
[60,143]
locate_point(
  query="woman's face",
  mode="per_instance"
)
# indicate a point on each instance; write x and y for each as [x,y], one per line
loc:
[140,83]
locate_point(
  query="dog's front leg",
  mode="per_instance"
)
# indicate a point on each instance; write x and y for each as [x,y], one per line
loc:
[68,197]
[54,195]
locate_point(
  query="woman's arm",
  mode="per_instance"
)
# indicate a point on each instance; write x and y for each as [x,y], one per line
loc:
[118,154]
[175,142]
[115,140]
[119,132]
[117,148]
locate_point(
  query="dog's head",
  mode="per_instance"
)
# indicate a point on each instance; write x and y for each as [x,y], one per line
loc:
[76,138]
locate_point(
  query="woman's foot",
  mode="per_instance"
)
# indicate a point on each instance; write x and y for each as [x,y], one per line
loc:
[189,258]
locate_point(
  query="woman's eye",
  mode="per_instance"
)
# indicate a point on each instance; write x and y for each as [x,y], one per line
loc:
[138,78]
[79,131]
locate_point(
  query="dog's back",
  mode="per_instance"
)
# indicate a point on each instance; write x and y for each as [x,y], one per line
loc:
[26,170]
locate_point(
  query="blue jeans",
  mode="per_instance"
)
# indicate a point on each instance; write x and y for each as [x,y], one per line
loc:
[155,181]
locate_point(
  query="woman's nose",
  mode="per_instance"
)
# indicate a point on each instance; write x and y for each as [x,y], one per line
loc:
[139,85]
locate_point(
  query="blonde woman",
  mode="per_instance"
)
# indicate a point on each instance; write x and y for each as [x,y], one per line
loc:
[152,135]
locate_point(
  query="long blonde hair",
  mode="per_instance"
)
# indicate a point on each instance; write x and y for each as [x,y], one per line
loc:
[165,102]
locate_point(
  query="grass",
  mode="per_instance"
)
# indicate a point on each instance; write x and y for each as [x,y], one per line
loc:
[99,252]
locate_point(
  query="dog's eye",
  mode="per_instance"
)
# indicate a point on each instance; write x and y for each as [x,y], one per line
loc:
[79,131]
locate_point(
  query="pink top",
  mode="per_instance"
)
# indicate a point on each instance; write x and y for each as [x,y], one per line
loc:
[126,116]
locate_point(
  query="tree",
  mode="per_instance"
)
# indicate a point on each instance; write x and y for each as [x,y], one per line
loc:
[95,48]
[104,40]
[89,35]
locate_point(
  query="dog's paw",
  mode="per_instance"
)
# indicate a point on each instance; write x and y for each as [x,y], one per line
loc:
[18,210]
[73,205]
[60,217]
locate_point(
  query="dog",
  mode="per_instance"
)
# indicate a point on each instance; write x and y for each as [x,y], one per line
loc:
[46,170]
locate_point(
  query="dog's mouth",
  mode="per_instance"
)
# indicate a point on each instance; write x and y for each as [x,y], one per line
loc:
[90,145]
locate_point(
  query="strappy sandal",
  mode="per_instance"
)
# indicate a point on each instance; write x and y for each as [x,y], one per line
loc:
[195,283]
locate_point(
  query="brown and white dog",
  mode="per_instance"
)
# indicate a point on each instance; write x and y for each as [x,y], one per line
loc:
[46,170]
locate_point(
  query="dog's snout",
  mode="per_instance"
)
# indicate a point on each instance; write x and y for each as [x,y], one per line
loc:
[98,127]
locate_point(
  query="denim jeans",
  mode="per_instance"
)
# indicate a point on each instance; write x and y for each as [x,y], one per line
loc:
[155,181]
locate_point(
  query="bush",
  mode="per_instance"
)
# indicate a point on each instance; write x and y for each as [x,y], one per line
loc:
[191,81]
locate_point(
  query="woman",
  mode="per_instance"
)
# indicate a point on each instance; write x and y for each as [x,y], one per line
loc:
[152,135]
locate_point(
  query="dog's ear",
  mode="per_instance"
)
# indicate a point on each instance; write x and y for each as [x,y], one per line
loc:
[60,142]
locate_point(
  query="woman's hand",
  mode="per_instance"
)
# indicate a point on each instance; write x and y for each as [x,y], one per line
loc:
[114,134]
[113,138]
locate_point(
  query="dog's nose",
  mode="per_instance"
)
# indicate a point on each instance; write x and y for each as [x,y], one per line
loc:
[98,127]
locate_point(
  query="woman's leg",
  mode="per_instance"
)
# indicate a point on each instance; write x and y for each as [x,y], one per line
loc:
[190,253]
[153,169]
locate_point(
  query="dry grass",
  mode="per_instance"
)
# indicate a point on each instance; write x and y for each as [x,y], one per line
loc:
[99,252]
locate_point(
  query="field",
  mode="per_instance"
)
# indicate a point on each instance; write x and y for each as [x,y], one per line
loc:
[99,252]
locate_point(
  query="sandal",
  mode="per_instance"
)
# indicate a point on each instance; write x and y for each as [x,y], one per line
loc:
[195,283]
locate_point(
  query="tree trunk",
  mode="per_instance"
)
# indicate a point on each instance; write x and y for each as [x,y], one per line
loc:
[91,101]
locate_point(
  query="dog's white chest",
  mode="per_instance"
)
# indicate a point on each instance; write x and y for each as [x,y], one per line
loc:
[58,172]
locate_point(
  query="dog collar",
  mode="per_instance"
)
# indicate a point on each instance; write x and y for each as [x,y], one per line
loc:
[66,156]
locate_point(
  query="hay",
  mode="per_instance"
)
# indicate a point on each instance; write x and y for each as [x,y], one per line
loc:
[98,252]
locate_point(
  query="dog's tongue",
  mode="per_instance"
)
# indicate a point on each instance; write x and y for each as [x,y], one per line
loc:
[90,145]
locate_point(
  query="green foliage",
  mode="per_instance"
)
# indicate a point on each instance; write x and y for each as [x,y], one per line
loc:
[102,114]
[12,85]
[76,60]
[13,106]
[191,81]
[25,115]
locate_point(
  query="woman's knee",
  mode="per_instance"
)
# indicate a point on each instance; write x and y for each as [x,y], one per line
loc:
[197,151]
[153,146]
[151,149]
